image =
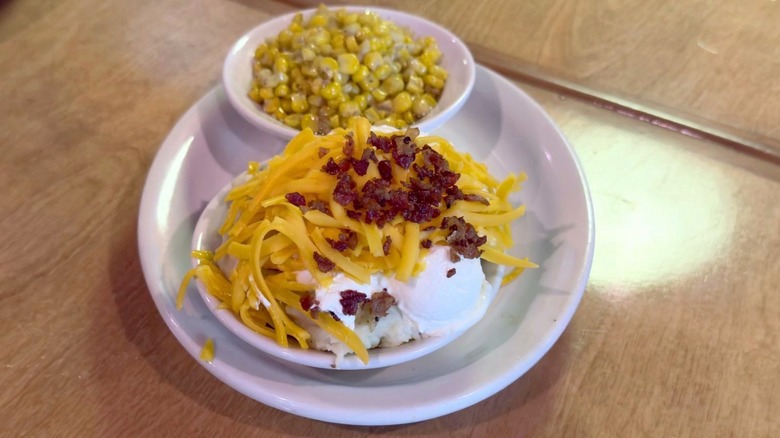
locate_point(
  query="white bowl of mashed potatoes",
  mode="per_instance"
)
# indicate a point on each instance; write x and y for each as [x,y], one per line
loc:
[320,67]
[363,248]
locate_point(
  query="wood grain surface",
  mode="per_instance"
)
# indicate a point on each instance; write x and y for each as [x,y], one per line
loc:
[677,334]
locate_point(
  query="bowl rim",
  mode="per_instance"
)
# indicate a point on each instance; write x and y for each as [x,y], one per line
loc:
[249,110]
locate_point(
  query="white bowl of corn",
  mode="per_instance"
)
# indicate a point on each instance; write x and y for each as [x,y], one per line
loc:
[317,68]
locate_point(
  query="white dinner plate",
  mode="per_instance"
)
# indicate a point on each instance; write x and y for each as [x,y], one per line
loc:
[500,125]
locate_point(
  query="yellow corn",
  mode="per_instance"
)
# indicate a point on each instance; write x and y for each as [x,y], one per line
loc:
[331,91]
[348,63]
[402,102]
[299,103]
[313,71]
[373,60]
[281,90]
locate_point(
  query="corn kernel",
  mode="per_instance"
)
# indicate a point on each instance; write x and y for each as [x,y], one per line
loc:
[373,60]
[415,85]
[293,120]
[271,105]
[360,74]
[372,115]
[316,85]
[395,84]
[348,63]
[254,94]
[383,71]
[422,105]
[379,94]
[318,21]
[309,121]
[417,67]
[331,91]
[361,100]
[327,66]
[286,105]
[337,41]
[318,37]
[348,109]
[315,100]
[307,54]
[260,51]
[284,38]
[351,44]
[282,90]
[299,103]
[348,18]
[402,102]
[369,82]
[433,81]
[295,27]
[430,56]
[438,71]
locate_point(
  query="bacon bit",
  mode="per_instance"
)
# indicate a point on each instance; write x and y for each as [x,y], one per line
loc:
[420,213]
[349,145]
[322,152]
[476,198]
[412,132]
[386,245]
[369,155]
[426,243]
[317,204]
[350,299]
[324,264]
[308,301]
[295,199]
[350,237]
[385,170]
[344,165]
[345,193]
[454,257]
[384,144]
[331,168]
[447,178]
[404,151]
[360,166]
[376,190]
[347,239]
[434,159]
[463,238]
[421,199]
[454,193]
[423,172]
[380,303]
[337,244]
[334,316]
[310,304]
[451,272]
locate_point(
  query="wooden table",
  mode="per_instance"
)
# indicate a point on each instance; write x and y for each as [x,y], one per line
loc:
[678,333]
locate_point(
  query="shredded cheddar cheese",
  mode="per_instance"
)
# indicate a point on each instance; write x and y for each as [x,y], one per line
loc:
[273,239]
